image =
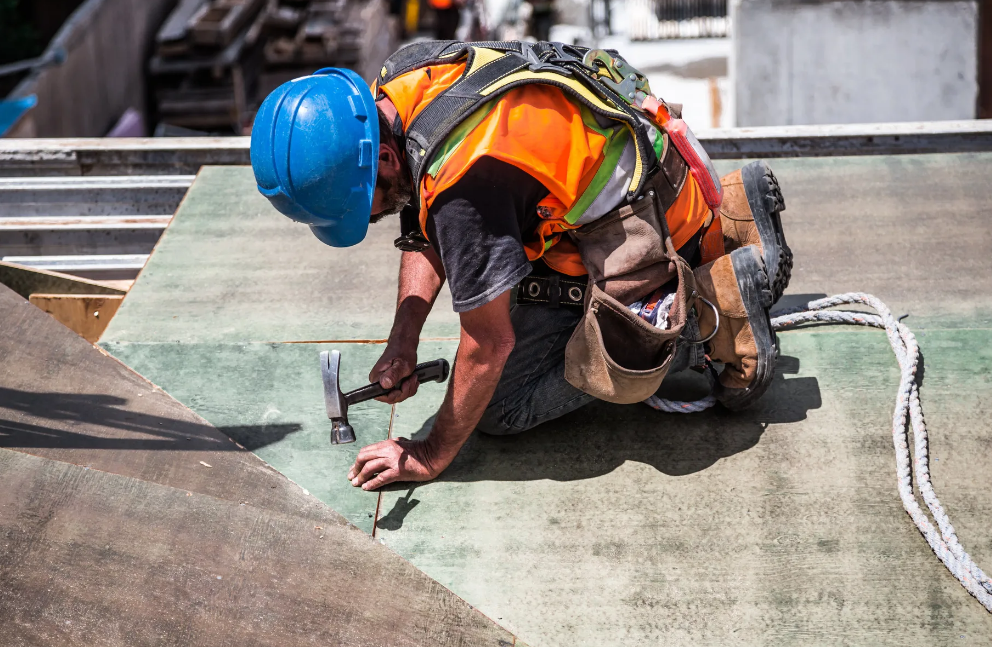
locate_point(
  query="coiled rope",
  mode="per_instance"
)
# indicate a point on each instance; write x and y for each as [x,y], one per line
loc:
[908,415]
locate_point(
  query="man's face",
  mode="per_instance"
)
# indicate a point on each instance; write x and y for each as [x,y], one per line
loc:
[393,188]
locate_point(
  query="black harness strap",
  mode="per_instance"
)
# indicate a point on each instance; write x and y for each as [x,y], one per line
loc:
[450,108]
[442,115]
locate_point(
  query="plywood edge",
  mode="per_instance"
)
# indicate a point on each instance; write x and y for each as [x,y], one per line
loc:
[87,315]
[26,281]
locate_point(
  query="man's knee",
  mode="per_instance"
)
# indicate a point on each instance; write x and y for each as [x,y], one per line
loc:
[493,423]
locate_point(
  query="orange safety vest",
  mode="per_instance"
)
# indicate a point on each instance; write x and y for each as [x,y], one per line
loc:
[538,129]
[442,4]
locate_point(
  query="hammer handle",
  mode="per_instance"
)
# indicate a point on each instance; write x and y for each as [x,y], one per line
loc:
[436,371]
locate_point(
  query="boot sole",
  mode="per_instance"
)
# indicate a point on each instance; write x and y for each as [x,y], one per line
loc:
[756,294]
[765,199]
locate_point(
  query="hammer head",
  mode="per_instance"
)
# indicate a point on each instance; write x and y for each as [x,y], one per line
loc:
[334,400]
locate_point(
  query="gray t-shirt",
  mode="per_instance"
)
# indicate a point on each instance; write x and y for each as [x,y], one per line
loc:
[477,227]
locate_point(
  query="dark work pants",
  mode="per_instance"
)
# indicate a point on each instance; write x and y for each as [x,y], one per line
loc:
[532,388]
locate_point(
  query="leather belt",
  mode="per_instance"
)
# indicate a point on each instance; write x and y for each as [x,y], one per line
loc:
[553,290]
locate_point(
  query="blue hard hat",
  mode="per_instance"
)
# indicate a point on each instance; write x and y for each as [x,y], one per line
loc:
[315,153]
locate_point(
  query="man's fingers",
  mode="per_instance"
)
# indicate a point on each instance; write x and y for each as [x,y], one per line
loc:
[369,470]
[398,369]
[357,467]
[367,453]
[410,386]
[379,367]
[384,478]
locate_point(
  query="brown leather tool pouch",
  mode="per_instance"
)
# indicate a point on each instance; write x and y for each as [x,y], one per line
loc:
[613,354]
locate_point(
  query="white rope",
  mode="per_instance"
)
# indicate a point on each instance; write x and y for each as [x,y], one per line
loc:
[942,539]
[677,406]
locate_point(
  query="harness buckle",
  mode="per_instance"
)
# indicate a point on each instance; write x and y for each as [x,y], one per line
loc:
[618,75]
[538,64]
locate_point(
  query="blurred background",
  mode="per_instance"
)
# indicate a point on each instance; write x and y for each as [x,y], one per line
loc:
[71,68]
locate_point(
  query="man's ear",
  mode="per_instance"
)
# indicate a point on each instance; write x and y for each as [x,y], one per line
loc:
[388,158]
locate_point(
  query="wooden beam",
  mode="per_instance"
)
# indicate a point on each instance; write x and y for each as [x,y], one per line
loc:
[26,281]
[87,315]
[984,60]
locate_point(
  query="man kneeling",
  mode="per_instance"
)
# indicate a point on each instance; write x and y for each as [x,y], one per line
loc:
[587,245]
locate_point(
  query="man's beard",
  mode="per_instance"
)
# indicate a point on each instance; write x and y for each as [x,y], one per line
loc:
[396,196]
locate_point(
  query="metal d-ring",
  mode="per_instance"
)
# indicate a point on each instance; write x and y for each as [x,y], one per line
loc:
[716,315]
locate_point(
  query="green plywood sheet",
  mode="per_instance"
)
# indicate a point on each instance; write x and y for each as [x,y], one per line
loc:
[231,268]
[779,526]
[911,229]
[620,525]
[269,398]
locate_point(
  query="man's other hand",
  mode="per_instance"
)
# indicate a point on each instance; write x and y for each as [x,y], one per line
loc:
[396,363]
[394,460]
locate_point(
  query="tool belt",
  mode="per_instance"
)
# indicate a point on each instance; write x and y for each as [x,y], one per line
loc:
[613,354]
[554,290]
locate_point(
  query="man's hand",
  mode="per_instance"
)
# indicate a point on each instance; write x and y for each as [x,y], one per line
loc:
[483,348]
[395,460]
[396,363]
[421,277]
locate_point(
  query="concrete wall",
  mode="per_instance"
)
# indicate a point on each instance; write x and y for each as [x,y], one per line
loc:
[107,42]
[853,61]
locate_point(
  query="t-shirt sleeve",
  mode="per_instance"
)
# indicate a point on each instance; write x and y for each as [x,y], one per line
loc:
[475,226]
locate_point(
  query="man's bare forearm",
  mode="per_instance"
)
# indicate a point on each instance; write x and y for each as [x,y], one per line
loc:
[485,344]
[483,349]
[421,278]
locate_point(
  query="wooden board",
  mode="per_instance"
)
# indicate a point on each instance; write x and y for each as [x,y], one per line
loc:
[91,558]
[217,22]
[26,281]
[151,503]
[62,398]
[87,315]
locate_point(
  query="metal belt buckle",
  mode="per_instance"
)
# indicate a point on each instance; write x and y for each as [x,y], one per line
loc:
[411,243]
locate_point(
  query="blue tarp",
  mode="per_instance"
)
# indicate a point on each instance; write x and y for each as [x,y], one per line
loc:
[12,109]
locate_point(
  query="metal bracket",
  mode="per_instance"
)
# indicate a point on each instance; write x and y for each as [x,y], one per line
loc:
[618,75]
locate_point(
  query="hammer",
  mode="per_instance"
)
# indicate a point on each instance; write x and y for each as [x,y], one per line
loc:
[337,402]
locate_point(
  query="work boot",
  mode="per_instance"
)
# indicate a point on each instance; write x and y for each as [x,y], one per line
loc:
[733,316]
[750,215]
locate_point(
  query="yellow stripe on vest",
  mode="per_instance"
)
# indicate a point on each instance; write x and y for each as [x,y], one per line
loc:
[579,89]
[483,56]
